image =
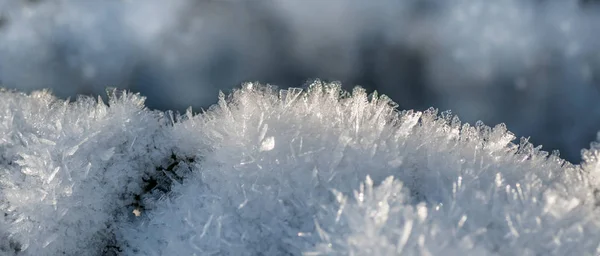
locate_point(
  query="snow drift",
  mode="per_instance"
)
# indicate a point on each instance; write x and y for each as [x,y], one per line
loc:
[315,171]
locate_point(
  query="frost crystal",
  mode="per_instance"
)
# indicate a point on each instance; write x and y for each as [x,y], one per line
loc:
[349,175]
[69,170]
[282,172]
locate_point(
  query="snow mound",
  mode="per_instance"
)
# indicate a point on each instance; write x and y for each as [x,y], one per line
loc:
[324,172]
[314,171]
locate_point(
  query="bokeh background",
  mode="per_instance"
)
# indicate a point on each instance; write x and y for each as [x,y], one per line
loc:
[532,64]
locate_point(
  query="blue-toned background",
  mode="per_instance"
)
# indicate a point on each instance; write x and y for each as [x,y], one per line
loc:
[532,64]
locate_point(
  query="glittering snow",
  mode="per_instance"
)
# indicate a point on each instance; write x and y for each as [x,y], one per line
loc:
[314,171]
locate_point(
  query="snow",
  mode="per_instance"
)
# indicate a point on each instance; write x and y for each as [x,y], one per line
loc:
[314,171]
[69,170]
[528,63]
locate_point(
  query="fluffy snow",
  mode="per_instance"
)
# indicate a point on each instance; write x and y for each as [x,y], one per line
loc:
[313,171]
[471,56]
[69,170]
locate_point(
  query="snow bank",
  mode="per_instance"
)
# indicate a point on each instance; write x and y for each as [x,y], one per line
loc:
[282,172]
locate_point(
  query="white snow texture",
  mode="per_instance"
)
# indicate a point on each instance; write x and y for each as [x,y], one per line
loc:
[314,171]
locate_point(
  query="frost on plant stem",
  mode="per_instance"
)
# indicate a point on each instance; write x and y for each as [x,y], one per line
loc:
[324,172]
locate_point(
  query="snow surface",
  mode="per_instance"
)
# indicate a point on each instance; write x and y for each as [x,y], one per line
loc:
[532,64]
[315,171]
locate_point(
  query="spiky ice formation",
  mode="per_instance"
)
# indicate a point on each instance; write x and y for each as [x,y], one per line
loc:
[282,174]
[69,170]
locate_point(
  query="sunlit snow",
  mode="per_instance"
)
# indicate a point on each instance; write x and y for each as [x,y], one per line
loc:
[314,171]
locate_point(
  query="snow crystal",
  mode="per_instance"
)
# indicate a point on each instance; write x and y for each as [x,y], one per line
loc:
[68,171]
[268,144]
[350,175]
[315,171]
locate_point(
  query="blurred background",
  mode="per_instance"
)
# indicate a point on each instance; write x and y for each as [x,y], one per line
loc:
[532,64]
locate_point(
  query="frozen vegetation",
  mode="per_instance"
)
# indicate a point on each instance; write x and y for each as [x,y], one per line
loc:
[313,171]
